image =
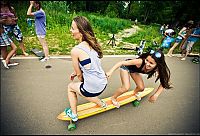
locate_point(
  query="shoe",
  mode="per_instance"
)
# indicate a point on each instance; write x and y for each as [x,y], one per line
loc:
[183,59]
[138,96]
[44,59]
[5,64]
[13,64]
[115,103]
[70,114]
[104,104]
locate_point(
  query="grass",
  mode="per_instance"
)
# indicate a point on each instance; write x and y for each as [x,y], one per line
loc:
[60,41]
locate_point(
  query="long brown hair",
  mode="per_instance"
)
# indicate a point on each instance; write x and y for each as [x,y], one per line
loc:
[88,35]
[163,70]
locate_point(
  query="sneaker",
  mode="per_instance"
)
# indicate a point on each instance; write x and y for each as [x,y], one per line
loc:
[70,114]
[44,59]
[115,103]
[104,104]
[13,64]
[5,64]
[138,96]
[183,59]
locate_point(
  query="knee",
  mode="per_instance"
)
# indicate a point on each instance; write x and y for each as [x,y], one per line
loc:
[125,88]
[14,48]
[69,87]
[140,88]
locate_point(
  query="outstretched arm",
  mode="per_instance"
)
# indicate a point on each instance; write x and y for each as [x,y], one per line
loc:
[125,63]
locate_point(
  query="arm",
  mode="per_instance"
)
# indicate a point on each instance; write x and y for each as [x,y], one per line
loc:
[195,35]
[29,12]
[154,97]
[77,71]
[125,63]
[181,31]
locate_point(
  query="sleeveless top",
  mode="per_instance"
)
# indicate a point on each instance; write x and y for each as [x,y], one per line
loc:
[94,78]
[134,68]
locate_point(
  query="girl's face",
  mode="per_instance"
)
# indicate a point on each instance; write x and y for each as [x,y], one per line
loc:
[150,63]
[75,32]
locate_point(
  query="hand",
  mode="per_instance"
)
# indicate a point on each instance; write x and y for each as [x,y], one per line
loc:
[31,2]
[72,76]
[108,74]
[153,98]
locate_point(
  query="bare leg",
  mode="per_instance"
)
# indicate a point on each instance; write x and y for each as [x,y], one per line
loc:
[10,54]
[73,91]
[172,49]
[138,81]
[21,44]
[44,46]
[4,52]
[125,79]
[188,48]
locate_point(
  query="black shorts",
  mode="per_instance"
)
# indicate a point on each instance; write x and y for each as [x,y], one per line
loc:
[88,94]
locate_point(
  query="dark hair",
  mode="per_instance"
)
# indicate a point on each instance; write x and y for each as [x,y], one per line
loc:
[88,35]
[6,4]
[39,3]
[163,70]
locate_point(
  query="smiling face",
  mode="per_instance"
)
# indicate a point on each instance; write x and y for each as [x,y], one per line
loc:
[150,63]
[75,32]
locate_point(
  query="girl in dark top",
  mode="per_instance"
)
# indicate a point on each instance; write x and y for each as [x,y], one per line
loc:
[150,63]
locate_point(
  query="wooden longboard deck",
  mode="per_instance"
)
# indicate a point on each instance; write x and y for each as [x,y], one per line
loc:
[90,108]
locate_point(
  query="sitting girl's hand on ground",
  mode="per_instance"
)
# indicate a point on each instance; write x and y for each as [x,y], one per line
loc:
[153,98]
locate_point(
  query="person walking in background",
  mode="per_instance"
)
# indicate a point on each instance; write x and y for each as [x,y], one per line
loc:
[5,41]
[193,38]
[180,37]
[10,24]
[162,29]
[150,63]
[40,26]
[86,60]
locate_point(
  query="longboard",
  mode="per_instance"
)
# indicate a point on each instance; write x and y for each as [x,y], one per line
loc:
[38,53]
[90,108]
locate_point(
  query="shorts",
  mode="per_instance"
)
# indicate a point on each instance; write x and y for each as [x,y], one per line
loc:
[88,94]
[14,29]
[41,36]
[5,40]
[178,39]
[125,68]
[186,46]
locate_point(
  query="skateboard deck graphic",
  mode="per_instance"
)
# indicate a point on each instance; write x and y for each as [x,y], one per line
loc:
[38,52]
[89,109]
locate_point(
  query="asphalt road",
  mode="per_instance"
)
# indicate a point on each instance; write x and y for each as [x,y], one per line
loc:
[32,96]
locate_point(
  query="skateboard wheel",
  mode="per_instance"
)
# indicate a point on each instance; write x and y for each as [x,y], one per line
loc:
[136,103]
[71,126]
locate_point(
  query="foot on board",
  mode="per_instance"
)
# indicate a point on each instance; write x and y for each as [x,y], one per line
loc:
[70,114]
[103,104]
[115,103]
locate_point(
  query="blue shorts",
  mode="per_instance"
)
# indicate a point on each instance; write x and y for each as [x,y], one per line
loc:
[88,94]
[5,40]
[14,29]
